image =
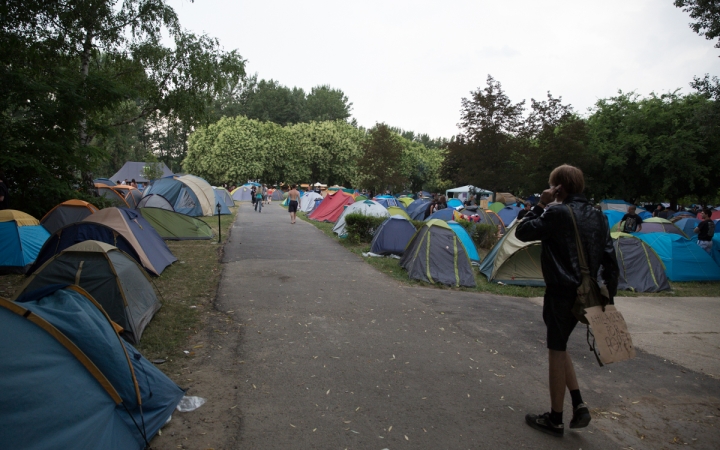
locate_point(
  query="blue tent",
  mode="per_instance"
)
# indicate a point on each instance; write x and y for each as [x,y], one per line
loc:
[180,196]
[21,238]
[688,226]
[683,259]
[455,203]
[508,214]
[445,214]
[683,214]
[392,236]
[613,217]
[389,200]
[466,241]
[417,208]
[70,381]
[221,200]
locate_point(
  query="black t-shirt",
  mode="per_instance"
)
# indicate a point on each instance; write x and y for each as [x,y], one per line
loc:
[631,223]
[5,202]
[704,230]
[521,214]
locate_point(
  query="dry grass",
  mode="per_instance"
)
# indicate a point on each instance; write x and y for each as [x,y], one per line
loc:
[391,267]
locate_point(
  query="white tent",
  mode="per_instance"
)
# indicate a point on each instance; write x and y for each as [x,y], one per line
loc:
[307,201]
[365,207]
[464,191]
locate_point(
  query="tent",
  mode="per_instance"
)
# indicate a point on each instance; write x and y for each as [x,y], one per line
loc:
[105,181]
[505,198]
[278,195]
[187,194]
[154,255]
[65,213]
[133,169]
[446,214]
[366,208]
[307,202]
[242,194]
[392,236]
[113,278]
[496,206]
[688,225]
[155,201]
[115,197]
[417,209]
[330,209]
[715,215]
[682,215]
[436,255]
[513,261]
[406,201]
[130,194]
[454,203]
[69,380]
[396,211]
[508,214]
[219,200]
[613,216]
[683,259]
[21,238]
[224,195]
[360,198]
[462,192]
[622,206]
[389,200]
[203,191]
[657,225]
[466,241]
[641,269]
[173,226]
[483,216]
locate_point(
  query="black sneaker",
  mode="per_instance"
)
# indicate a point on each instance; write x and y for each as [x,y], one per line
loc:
[581,416]
[544,424]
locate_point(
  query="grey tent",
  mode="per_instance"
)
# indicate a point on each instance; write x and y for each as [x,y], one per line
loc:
[112,277]
[134,170]
[641,269]
[67,212]
[278,195]
[435,254]
[155,201]
[224,196]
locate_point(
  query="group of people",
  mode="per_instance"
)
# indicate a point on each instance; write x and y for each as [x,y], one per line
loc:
[260,195]
[131,183]
[632,222]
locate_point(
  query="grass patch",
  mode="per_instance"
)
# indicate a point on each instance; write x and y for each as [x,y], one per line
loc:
[191,281]
[391,267]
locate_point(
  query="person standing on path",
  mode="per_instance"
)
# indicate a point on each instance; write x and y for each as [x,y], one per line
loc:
[561,270]
[293,201]
[705,231]
[259,199]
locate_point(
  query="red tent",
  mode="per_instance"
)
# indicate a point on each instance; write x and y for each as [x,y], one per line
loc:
[330,209]
[715,215]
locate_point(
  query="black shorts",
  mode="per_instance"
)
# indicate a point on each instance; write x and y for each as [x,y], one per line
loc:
[292,206]
[558,316]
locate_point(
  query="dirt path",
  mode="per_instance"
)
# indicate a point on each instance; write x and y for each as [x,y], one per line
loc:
[309,347]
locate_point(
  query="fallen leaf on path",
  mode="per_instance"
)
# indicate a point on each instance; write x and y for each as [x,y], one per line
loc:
[407,438]
[390,429]
[328,392]
[293,426]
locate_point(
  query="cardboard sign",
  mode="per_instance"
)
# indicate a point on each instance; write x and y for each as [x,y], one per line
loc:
[612,339]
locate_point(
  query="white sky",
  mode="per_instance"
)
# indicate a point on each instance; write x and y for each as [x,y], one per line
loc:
[409,63]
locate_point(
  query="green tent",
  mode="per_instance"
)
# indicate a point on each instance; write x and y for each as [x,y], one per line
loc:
[496,206]
[435,254]
[361,198]
[113,278]
[513,261]
[397,211]
[173,226]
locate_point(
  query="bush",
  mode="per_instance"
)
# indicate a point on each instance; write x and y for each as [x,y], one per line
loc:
[483,235]
[360,228]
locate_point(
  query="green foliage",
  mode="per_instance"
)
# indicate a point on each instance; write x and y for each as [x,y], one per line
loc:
[483,235]
[153,169]
[381,165]
[361,228]
[707,17]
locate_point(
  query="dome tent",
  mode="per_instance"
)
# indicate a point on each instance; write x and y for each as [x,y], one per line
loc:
[113,278]
[242,194]
[436,255]
[173,226]
[80,385]
[392,236]
[65,213]
[466,241]
[366,208]
[641,269]
[307,202]
[155,201]
[513,261]
[187,194]
[224,195]
[416,209]
[332,206]
[21,240]
[683,259]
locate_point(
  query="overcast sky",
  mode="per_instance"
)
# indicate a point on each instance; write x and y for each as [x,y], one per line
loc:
[409,63]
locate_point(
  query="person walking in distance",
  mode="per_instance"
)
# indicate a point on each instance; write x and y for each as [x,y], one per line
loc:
[554,227]
[705,231]
[293,201]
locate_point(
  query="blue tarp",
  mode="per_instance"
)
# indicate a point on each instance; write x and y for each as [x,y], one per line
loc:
[466,241]
[19,246]
[683,259]
[46,379]
[392,236]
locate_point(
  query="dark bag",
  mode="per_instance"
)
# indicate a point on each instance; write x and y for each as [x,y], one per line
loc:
[589,293]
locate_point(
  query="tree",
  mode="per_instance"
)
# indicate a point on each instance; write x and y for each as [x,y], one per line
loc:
[153,168]
[481,154]
[381,165]
[325,103]
[707,17]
